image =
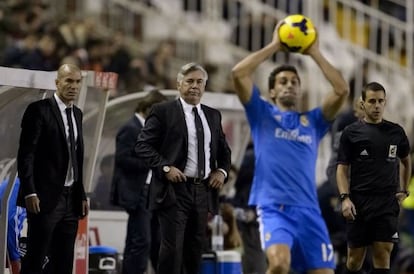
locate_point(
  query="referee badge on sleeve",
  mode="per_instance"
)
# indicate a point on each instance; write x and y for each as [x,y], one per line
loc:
[392,152]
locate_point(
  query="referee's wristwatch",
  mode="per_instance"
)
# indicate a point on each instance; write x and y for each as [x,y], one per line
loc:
[343,196]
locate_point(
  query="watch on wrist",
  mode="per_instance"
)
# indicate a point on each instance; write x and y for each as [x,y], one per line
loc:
[343,196]
[166,169]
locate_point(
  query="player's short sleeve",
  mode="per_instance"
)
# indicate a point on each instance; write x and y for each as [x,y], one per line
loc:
[321,124]
[255,107]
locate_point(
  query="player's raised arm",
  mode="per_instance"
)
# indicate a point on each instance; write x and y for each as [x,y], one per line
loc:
[243,71]
[334,100]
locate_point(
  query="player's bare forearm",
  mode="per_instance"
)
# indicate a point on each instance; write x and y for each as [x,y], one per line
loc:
[342,178]
[242,72]
[334,100]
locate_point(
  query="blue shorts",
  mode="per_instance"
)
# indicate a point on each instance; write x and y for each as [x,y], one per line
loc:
[303,230]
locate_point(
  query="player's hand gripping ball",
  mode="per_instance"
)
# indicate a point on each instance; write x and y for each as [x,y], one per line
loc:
[297,33]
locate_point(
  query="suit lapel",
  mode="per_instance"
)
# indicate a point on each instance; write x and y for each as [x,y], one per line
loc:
[78,120]
[58,116]
[208,118]
[181,118]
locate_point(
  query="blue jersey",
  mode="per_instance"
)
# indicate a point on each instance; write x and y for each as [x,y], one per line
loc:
[16,217]
[286,149]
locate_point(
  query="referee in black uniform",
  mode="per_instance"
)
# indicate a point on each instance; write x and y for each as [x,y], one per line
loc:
[372,150]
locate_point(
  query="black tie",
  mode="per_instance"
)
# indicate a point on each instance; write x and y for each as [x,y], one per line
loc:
[72,144]
[200,144]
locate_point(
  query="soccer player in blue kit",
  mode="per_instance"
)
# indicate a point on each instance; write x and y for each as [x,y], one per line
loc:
[16,218]
[294,234]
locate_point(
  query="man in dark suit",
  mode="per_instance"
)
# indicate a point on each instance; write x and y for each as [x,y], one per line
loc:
[130,190]
[184,144]
[50,160]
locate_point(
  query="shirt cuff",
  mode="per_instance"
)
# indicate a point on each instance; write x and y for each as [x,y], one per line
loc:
[223,171]
[30,195]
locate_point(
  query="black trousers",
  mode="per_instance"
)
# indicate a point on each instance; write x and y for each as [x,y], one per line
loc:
[53,235]
[183,230]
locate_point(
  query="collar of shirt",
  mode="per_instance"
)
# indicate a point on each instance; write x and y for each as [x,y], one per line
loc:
[60,103]
[188,108]
[140,118]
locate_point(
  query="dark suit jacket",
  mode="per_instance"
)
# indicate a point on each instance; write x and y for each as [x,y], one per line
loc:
[130,172]
[164,141]
[43,155]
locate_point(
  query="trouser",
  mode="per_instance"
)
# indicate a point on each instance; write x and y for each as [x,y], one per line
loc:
[53,235]
[183,230]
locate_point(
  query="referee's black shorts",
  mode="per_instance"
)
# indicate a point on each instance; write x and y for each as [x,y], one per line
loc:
[376,219]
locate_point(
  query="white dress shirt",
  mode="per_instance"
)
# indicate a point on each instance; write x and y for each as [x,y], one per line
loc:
[62,109]
[191,167]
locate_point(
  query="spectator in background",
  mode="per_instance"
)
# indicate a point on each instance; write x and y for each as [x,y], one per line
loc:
[159,64]
[96,49]
[19,19]
[119,59]
[14,54]
[231,234]
[232,238]
[130,187]
[136,80]
[43,57]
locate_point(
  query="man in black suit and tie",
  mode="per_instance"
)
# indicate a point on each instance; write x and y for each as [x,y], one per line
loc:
[130,190]
[184,144]
[49,161]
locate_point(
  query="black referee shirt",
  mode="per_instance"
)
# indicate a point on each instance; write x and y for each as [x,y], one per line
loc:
[372,151]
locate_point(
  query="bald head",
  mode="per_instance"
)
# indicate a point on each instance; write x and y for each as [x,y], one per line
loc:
[67,68]
[68,83]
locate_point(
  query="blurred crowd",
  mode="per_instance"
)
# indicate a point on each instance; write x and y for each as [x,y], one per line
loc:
[31,37]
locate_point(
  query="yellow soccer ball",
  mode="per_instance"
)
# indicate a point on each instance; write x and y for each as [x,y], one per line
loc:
[297,33]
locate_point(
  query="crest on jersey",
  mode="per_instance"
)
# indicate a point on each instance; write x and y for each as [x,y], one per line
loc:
[392,152]
[268,236]
[278,117]
[304,120]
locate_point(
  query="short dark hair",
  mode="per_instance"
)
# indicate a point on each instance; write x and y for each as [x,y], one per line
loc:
[373,86]
[279,69]
[154,96]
